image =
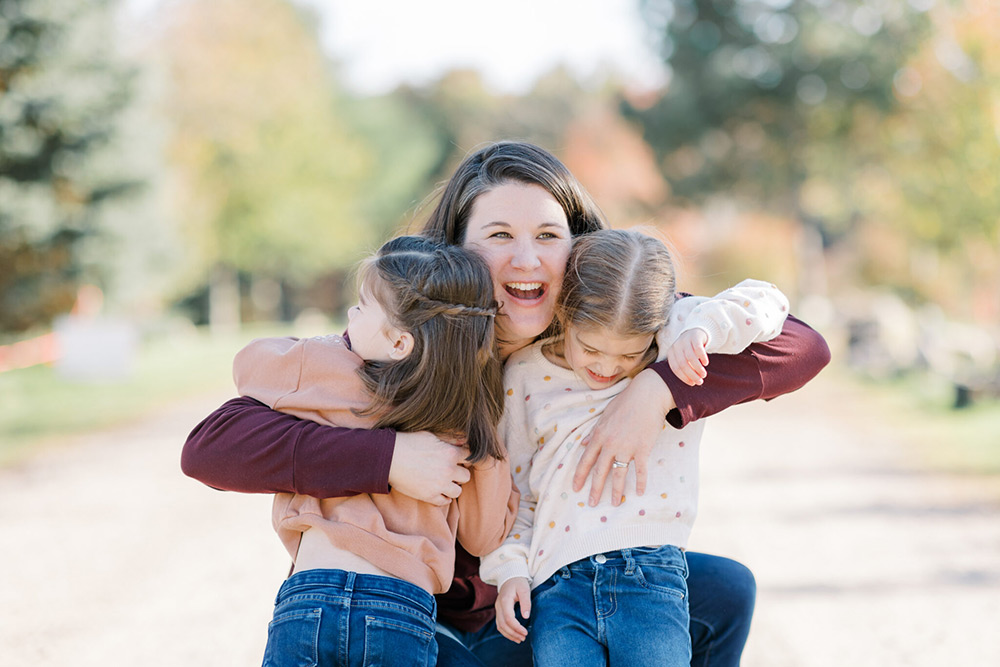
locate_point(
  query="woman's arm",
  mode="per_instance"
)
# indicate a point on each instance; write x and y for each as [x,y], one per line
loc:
[629,425]
[245,446]
[762,371]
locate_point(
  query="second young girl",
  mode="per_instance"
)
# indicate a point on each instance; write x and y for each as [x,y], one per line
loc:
[606,583]
[419,355]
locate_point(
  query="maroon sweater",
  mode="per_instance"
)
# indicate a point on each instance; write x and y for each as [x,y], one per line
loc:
[245,446]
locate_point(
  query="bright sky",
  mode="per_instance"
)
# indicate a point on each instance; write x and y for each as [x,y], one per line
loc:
[381,43]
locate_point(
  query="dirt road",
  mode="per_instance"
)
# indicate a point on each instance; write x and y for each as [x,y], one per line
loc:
[111,557]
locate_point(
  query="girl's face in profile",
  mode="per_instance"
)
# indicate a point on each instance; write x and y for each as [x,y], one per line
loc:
[601,358]
[372,335]
[522,233]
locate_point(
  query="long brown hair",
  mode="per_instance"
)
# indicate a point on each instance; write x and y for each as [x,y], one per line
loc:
[620,280]
[451,383]
[506,162]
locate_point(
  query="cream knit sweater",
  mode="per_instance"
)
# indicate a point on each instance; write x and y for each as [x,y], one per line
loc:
[549,410]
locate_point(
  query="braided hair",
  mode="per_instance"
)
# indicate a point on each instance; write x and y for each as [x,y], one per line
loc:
[452,381]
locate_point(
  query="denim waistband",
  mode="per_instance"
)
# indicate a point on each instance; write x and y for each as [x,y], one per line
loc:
[666,555]
[352,582]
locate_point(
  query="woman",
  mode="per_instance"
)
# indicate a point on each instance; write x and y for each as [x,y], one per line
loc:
[518,207]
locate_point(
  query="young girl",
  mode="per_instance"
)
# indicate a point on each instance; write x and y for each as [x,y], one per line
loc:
[419,356]
[606,583]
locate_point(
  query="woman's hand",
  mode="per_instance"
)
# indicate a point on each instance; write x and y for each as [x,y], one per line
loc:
[513,590]
[688,356]
[427,468]
[625,432]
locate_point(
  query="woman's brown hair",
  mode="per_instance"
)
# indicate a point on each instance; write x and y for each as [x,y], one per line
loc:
[506,162]
[451,383]
[620,280]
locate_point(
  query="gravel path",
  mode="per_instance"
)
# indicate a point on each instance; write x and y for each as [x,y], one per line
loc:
[110,556]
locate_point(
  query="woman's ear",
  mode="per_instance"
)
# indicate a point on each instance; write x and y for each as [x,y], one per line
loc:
[402,346]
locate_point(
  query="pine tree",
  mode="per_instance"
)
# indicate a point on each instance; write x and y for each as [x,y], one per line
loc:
[62,92]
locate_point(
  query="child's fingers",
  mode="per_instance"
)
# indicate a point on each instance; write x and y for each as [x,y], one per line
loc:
[511,629]
[703,355]
[525,600]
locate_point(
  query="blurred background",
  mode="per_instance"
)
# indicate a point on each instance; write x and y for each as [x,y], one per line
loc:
[179,176]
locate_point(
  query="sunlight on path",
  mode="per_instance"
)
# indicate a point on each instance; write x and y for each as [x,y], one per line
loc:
[861,558]
[112,556]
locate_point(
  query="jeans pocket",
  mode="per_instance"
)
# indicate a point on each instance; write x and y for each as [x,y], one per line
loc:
[397,642]
[539,591]
[668,579]
[293,639]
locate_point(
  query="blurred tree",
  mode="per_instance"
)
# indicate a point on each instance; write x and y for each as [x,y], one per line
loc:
[936,190]
[267,169]
[461,113]
[63,89]
[407,153]
[767,98]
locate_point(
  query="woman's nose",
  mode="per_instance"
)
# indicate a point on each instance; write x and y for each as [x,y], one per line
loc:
[351,312]
[525,256]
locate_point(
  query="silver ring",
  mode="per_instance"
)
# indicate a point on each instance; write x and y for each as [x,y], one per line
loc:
[619,464]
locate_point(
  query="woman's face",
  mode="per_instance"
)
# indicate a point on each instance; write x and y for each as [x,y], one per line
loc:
[522,233]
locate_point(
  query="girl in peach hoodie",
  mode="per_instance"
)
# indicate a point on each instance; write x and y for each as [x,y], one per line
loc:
[419,355]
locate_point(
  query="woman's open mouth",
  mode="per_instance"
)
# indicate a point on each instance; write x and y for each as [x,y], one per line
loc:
[525,291]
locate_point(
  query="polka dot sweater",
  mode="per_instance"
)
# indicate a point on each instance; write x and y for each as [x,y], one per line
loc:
[549,411]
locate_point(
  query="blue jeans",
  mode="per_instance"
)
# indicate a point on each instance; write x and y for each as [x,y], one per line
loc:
[333,617]
[721,596]
[626,607]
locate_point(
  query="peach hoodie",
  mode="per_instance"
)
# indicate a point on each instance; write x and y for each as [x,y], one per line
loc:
[316,379]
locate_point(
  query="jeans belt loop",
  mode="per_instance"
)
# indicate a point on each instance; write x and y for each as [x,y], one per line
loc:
[629,562]
[349,582]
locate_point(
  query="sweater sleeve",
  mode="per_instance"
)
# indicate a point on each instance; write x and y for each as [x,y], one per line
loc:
[312,378]
[280,453]
[750,312]
[510,559]
[487,507]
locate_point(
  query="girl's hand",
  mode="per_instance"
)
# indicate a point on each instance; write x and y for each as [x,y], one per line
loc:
[426,468]
[625,432]
[687,356]
[513,590]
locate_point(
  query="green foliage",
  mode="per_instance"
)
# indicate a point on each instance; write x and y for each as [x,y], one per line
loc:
[407,152]
[62,94]
[765,95]
[40,405]
[268,170]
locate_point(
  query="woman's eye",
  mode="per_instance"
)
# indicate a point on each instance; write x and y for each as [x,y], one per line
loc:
[547,235]
[500,235]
